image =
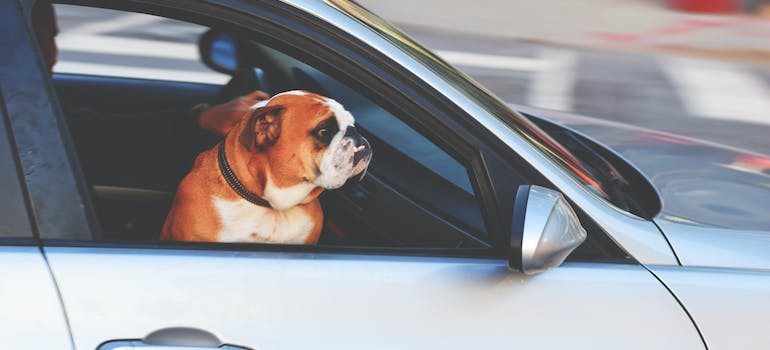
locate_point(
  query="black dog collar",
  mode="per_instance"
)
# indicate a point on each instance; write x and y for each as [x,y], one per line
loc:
[236,185]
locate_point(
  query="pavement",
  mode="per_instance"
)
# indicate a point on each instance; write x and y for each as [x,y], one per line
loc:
[547,53]
[632,25]
[640,62]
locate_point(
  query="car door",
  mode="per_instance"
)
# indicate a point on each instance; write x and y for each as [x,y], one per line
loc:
[334,296]
[31,315]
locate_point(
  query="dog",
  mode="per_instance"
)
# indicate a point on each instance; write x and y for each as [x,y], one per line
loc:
[261,183]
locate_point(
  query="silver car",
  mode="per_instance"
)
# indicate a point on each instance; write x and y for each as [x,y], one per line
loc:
[476,227]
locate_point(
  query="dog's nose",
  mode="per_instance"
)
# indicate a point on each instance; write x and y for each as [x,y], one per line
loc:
[350,131]
[359,140]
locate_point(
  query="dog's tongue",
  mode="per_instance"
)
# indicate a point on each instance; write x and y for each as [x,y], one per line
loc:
[361,152]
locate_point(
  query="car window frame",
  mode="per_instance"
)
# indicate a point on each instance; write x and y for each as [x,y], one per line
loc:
[445,120]
[15,221]
[33,124]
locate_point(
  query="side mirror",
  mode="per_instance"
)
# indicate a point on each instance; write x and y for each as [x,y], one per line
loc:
[219,51]
[544,230]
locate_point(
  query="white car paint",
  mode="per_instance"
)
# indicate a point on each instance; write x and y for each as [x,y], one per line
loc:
[730,306]
[31,316]
[718,247]
[352,301]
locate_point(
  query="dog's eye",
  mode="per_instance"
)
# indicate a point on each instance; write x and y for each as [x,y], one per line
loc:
[325,131]
[324,134]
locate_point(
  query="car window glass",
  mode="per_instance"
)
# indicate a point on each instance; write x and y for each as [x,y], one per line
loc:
[136,137]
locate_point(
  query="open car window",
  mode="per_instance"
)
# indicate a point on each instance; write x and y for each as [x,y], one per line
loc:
[415,193]
[416,178]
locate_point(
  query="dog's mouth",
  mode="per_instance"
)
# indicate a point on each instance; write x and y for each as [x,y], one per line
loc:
[362,153]
[361,159]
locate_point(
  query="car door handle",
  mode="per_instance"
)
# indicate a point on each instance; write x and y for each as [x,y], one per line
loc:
[134,345]
[174,338]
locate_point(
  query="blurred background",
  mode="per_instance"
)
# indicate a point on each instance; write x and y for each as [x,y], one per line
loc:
[697,68]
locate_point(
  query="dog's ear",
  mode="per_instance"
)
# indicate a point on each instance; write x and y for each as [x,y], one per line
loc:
[263,128]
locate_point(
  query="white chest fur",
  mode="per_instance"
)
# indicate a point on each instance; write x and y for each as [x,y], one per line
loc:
[243,221]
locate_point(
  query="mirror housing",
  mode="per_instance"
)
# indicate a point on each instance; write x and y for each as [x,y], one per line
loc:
[219,51]
[544,230]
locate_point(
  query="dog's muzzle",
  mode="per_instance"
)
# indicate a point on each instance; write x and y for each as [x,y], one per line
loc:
[362,149]
[348,155]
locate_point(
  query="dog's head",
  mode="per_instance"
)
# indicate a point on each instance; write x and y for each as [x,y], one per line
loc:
[310,141]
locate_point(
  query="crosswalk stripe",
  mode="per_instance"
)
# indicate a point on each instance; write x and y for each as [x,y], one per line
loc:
[122,22]
[719,90]
[468,59]
[127,46]
[554,88]
[141,72]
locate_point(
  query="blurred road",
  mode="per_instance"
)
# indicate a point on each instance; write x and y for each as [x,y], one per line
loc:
[721,101]
[725,101]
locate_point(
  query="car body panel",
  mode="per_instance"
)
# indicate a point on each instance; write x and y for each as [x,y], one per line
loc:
[352,301]
[718,247]
[31,316]
[700,184]
[715,198]
[730,306]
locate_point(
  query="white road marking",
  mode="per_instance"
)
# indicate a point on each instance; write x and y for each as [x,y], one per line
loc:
[127,46]
[719,90]
[553,88]
[554,73]
[141,72]
[122,22]
[468,59]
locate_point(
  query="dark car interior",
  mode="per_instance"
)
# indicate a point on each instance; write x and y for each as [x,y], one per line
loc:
[414,194]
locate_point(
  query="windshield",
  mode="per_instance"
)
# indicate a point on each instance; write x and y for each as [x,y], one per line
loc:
[484,98]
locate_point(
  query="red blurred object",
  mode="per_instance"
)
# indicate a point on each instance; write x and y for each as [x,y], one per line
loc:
[758,161]
[710,6]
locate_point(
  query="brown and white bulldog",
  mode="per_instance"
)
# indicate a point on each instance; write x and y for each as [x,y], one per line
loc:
[261,183]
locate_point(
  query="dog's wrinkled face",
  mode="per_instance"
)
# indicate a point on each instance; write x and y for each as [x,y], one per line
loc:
[310,142]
